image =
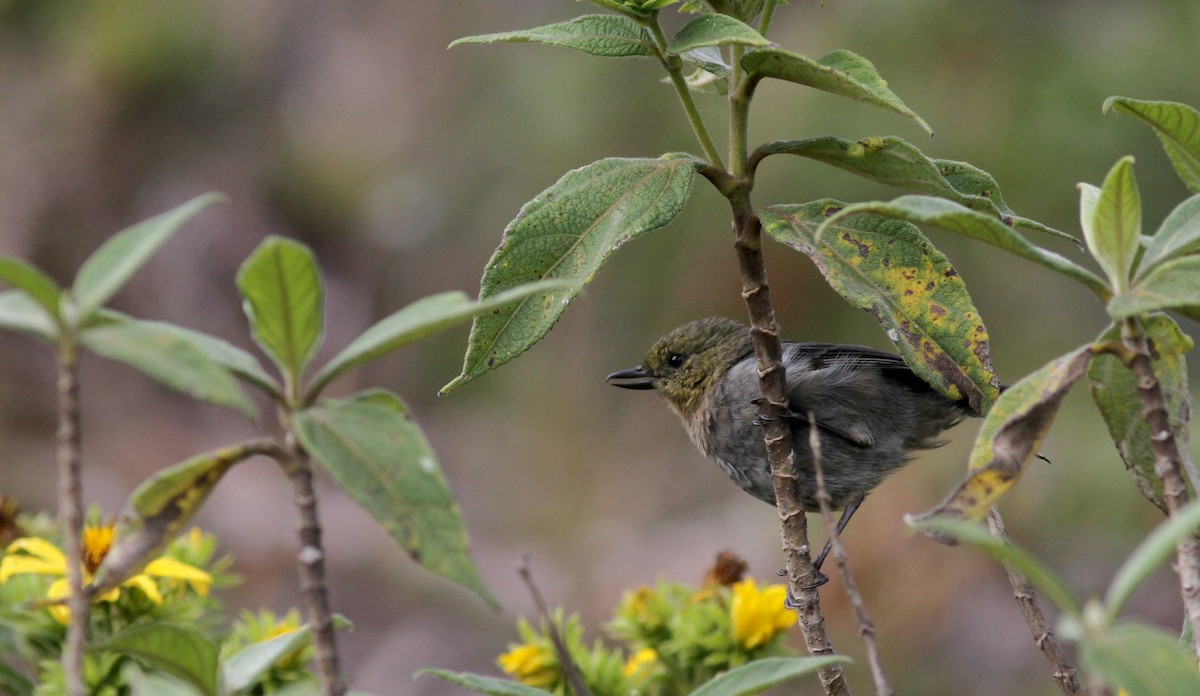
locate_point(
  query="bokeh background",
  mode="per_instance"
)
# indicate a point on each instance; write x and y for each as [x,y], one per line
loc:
[349,126]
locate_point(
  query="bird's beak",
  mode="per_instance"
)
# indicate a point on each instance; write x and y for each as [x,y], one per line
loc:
[633,378]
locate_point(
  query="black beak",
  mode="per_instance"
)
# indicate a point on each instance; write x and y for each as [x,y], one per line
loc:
[633,378]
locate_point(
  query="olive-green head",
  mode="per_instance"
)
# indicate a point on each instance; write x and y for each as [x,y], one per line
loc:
[685,363]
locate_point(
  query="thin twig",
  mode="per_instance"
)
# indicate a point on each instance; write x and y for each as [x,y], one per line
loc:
[70,512]
[674,67]
[1064,672]
[311,562]
[866,628]
[1168,465]
[569,669]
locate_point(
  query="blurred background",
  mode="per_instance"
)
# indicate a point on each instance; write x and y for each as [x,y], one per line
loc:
[350,127]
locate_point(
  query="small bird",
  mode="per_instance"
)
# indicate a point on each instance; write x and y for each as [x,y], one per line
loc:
[871,409]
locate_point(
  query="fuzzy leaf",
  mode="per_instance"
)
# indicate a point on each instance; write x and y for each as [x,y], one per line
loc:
[1176,125]
[890,269]
[1173,284]
[714,30]
[1179,235]
[20,312]
[32,282]
[485,685]
[378,455]
[240,363]
[1112,221]
[1140,660]
[840,72]
[752,677]
[284,300]
[598,35]
[244,667]
[178,650]
[927,210]
[1116,396]
[110,266]
[171,358]
[567,233]
[1011,434]
[895,162]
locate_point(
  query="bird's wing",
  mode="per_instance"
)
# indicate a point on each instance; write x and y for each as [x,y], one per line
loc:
[890,365]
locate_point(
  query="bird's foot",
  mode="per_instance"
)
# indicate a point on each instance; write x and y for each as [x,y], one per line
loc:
[790,602]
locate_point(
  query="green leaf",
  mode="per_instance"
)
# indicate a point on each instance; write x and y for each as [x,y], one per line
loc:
[598,35]
[1176,125]
[752,677]
[890,269]
[170,357]
[1150,555]
[1041,577]
[177,650]
[567,233]
[1115,393]
[895,162]
[378,455]
[110,266]
[13,682]
[20,312]
[160,508]
[419,320]
[32,282]
[485,685]
[840,72]
[927,210]
[1112,222]
[284,300]
[244,667]
[714,30]
[1011,434]
[1179,235]
[1141,661]
[1173,284]
[143,683]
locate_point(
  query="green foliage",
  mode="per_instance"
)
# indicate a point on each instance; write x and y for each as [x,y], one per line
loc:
[177,650]
[598,35]
[1176,125]
[714,30]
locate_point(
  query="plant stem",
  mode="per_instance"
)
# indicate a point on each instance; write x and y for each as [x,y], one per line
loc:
[674,68]
[1168,465]
[70,513]
[1064,673]
[311,561]
[566,663]
[768,13]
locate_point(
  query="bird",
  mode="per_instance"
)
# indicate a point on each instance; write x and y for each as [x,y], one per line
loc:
[871,410]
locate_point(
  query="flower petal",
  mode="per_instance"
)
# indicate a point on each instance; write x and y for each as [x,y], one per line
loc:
[59,589]
[167,567]
[33,548]
[147,585]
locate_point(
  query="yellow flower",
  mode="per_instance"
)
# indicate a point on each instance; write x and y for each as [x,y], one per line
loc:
[40,557]
[530,664]
[756,615]
[641,665]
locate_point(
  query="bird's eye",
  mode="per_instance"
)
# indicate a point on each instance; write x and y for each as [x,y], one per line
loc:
[675,359]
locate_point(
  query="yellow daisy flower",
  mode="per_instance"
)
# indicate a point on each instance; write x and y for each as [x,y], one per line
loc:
[641,665]
[40,557]
[530,664]
[756,616]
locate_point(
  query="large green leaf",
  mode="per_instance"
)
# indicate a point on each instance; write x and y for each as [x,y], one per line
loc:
[284,300]
[1041,577]
[1140,660]
[1149,555]
[161,507]
[1173,284]
[896,162]
[178,650]
[567,233]
[20,312]
[1176,125]
[752,677]
[890,269]
[1178,235]
[33,282]
[598,35]
[486,685]
[240,363]
[107,269]
[928,210]
[378,455]
[714,30]
[1115,393]
[244,667]
[170,357]
[839,72]
[1011,434]
[418,320]
[1111,218]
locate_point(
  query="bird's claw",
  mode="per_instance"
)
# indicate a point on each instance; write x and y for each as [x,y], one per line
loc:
[790,602]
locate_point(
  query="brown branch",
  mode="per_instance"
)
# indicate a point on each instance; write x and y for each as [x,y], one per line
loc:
[311,562]
[569,669]
[866,629]
[1064,672]
[70,513]
[1168,465]
[802,577]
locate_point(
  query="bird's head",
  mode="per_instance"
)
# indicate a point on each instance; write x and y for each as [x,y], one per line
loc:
[685,363]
